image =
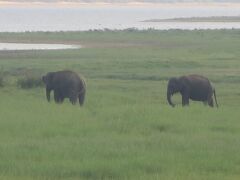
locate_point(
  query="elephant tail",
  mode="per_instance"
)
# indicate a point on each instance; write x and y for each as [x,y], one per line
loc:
[81,94]
[81,97]
[214,93]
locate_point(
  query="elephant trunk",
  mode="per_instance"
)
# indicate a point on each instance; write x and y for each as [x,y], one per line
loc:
[169,94]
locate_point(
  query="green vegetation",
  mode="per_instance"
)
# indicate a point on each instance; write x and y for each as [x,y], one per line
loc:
[30,82]
[126,129]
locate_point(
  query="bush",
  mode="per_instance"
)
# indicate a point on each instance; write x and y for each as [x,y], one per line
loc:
[1,81]
[30,82]
[1,77]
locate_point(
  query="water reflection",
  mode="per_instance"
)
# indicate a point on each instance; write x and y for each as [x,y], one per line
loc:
[22,46]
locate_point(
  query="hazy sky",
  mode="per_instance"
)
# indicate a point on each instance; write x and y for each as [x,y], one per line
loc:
[122,1]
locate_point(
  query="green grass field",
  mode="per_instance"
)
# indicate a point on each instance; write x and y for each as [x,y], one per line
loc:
[126,129]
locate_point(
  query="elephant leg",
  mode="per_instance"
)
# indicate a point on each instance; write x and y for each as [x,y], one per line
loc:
[60,99]
[73,99]
[185,100]
[57,97]
[81,98]
[48,91]
[210,102]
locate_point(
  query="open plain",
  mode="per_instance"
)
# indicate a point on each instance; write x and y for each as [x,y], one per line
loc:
[126,129]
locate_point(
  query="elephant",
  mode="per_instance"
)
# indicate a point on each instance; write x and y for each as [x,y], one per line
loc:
[65,84]
[194,87]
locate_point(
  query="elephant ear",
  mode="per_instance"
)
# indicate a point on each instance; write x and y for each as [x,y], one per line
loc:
[176,84]
[47,79]
[173,81]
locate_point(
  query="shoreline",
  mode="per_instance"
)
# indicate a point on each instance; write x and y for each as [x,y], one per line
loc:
[217,19]
[116,30]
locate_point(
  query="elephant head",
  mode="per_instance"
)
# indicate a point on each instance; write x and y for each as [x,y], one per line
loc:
[174,86]
[47,79]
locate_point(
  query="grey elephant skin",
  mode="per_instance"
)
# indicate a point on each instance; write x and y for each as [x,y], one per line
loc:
[65,84]
[194,87]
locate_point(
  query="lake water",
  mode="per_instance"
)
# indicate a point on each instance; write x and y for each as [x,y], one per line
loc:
[21,46]
[18,19]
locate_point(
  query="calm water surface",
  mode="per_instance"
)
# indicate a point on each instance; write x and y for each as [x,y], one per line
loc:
[21,46]
[111,17]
